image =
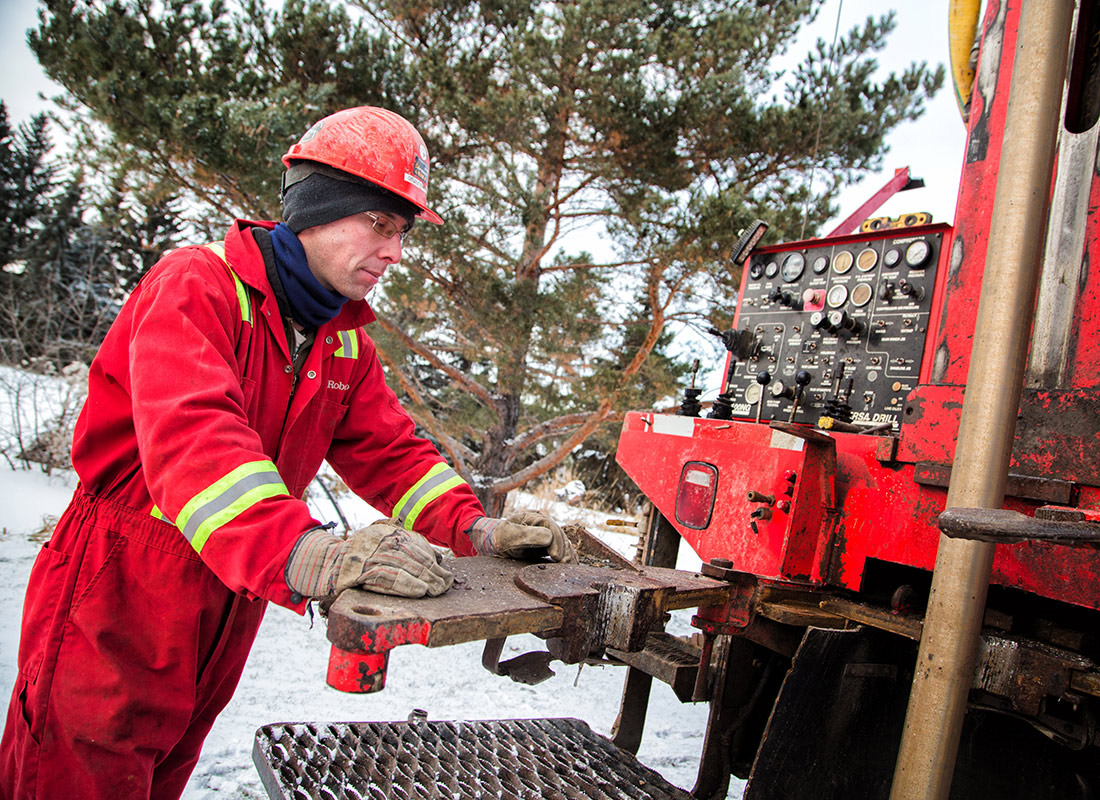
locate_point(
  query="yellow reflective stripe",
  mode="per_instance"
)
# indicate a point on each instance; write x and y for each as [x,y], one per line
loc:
[349,345]
[218,249]
[224,500]
[158,514]
[439,479]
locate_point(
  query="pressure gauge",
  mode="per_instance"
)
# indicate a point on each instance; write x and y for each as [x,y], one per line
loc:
[837,296]
[752,393]
[792,268]
[820,264]
[756,271]
[843,262]
[891,257]
[861,294]
[771,270]
[866,259]
[917,253]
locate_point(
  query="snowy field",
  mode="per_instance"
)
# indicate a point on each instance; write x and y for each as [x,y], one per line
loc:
[285,677]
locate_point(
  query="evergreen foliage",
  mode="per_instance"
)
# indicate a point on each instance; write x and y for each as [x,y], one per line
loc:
[594,161]
[62,277]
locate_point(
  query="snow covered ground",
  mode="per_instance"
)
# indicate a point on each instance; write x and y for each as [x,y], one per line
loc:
[285,677]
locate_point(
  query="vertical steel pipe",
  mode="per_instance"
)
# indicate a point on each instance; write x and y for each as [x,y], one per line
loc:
[945,663]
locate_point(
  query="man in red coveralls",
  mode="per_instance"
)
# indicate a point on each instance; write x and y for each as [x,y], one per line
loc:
[233,370]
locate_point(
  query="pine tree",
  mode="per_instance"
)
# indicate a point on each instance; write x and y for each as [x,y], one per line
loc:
[26,179]
[594,161]
[67,262]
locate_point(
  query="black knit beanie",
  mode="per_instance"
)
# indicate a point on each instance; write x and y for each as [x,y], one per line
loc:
[321,198]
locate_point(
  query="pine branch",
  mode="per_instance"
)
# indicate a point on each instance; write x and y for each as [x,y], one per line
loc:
[552,459]
[591,265]
[471,386]
[460,455]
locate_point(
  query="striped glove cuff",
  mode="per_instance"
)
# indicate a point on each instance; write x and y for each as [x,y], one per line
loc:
[481,535]
[314,563]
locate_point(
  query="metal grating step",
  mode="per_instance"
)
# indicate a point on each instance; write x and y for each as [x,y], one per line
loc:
[557,759]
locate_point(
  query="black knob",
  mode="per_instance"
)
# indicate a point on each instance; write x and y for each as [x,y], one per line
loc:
[820,321]
[785,298]
[886,291]
[910,291]
[840,322]
[780,390]
[802,377]
[763,377]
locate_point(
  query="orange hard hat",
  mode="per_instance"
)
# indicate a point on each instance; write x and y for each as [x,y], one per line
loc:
[373,144]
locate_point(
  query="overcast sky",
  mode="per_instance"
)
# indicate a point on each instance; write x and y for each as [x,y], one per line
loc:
[932,147]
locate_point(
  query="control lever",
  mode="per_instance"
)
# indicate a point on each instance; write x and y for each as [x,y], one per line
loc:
[763,378]
[690,406]
[723,403]
[785,298]
[801,380]
[914,293]
[741,344]
[837,408]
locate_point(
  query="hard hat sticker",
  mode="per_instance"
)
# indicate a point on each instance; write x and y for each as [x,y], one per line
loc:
[420,173]
[313,131]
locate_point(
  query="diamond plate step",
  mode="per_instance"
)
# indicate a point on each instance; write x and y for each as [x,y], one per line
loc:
[557,759]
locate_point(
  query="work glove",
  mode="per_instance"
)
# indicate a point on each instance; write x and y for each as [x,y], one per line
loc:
[527,535]
[382,557]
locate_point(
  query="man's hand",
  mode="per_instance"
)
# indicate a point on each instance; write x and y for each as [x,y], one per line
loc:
[382,557]
[526,535]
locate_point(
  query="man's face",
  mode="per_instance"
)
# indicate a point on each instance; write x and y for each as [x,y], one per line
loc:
[348,255]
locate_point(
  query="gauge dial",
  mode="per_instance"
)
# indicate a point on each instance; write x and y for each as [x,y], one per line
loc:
[756,271]
[861,294]
[843,262]
[891,257]
[792,268]
[866,259]
[837,296]
[752,393]
[917,253]
[771,270]
[820,264]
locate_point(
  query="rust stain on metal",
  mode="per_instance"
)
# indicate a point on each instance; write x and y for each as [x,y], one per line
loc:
[593,552]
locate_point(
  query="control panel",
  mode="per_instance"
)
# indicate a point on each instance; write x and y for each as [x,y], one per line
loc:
[833,328]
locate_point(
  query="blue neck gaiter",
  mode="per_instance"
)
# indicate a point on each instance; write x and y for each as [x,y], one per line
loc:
[311,304]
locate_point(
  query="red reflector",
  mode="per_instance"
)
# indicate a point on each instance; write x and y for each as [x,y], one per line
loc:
[695,494]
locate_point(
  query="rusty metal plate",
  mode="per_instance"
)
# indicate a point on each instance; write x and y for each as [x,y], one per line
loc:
[484,603]
[531,759]
[488,602]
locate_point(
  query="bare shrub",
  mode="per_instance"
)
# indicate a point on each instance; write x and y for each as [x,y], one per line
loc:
[38,410]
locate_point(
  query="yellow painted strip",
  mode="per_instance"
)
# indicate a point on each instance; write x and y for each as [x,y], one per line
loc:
[218,249]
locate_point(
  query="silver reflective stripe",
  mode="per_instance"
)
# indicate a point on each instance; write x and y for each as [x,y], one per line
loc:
[439,479]
[239,496]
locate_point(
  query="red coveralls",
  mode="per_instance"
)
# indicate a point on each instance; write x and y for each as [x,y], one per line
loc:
[135,630]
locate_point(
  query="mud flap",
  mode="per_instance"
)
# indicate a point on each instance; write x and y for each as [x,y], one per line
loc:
[837,721]
[836,726]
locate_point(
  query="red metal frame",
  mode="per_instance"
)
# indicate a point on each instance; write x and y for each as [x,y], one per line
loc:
[877,505]
[898,183]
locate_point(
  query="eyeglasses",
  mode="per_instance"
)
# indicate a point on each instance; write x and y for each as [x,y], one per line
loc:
[387,229]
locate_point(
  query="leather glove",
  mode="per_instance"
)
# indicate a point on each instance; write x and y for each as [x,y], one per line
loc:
[526,535]
[382,557]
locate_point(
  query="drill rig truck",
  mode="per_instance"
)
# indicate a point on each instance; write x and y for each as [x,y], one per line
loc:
[895,494]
